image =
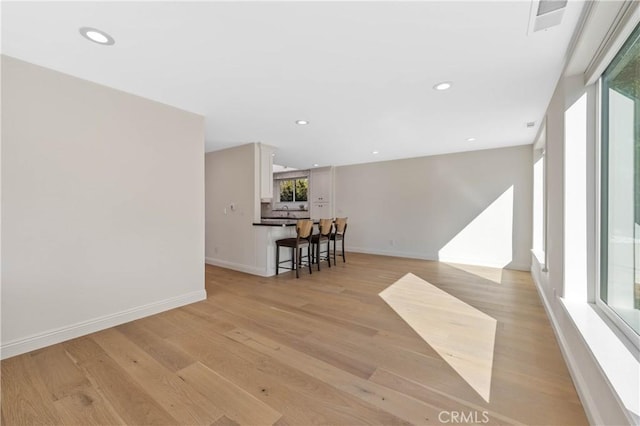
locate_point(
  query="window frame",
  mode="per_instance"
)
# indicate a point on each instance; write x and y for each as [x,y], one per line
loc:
[612,318]
[295,181]
[540,145]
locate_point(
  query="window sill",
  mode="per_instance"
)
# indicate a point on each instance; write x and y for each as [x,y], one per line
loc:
[619,365]
[540,258]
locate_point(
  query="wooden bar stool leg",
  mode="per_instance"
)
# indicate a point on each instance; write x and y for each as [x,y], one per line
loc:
[309,249]
[335,241]
[277,258]
[343,258]
[328,253]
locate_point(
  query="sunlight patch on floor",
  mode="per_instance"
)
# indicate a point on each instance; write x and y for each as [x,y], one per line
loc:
[462,335]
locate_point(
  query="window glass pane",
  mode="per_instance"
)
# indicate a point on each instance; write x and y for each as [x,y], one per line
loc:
[286,190]
[620,278]
[302,186]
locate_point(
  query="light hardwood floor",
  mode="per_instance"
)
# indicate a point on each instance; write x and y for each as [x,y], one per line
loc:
[322,349]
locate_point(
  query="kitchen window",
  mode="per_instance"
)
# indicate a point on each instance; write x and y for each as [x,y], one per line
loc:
[294,190]
[620,185]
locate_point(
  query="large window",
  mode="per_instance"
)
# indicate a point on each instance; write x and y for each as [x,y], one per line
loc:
[294,190]
[620,197]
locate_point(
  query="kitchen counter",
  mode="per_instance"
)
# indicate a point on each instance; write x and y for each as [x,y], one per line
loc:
[266,232]
[277,222]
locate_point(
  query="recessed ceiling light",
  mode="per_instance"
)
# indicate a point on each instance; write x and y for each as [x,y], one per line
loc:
[316,165]
[302,122]
[471,139]
[273,154]
[443,85]
[375,152]
[97,36]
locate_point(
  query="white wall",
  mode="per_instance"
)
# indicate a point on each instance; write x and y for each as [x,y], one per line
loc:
[600,401]
[231,180]
[102,207]
[473,207]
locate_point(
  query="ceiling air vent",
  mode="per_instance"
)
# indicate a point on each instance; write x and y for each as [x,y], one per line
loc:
[548,6]
[546,14]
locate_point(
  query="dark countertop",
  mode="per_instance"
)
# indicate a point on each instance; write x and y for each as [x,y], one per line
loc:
[277,222]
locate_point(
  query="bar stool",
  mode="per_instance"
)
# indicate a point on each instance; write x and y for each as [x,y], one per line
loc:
[340,229]
[304,227]
[323,236]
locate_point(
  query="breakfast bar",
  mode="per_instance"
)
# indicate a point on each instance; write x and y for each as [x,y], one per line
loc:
[267,232]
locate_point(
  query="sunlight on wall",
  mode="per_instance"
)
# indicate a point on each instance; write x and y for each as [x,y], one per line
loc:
[538,205]
[488,273]
[575,208]
[487,240]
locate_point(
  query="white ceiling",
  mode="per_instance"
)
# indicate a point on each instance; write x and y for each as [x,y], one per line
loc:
[360,72]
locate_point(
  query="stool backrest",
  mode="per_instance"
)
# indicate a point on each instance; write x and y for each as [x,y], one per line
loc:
[341,225]
[304,228]
[325,226]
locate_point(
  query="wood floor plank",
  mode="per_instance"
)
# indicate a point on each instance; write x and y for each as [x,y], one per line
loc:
[169,356]
[355,365]
[356,347]
[122,392]
[225,421]
[161,324]
[83,350]
[239,406]
[85,406]
[183,402]
[306,400]
[386,399]
[64,378]
[297,322]
[434,397]
[285,325]
[322,349]
[25,398]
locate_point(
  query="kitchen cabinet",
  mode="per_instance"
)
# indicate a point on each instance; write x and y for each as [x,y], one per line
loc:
[266,172]
[321,211]
[321,191]
[321,185]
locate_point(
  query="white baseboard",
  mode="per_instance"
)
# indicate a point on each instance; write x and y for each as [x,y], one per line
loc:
[435,257]
[254,270]
[51,337]
[588,401]
[490,264]
[249,269]
[392,253]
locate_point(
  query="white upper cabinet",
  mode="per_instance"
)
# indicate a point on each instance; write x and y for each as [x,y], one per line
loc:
[321,185]
[321,190]
[266,172]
